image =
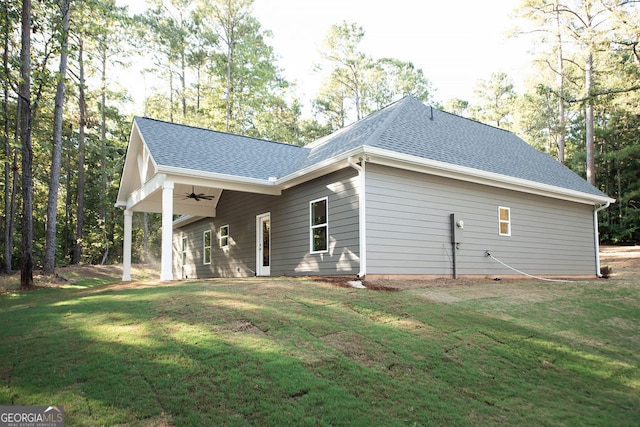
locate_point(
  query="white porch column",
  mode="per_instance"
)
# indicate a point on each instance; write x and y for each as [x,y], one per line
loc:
[167,231]
[126,250]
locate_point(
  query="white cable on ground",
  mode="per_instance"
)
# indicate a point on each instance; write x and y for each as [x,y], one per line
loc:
[527,274]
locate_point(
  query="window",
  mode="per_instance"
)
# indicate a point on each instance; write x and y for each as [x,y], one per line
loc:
[206,250]
[224,236]
[504,221]
[184,250]
[319,225]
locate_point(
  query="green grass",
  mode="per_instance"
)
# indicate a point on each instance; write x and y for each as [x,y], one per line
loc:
[298,352]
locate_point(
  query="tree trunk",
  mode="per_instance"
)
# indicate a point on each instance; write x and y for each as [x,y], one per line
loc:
[589,132]
[24,105]
[77,249]
[183,81]
[561,132]
[145,228]
[356,93]
[228,104]
[103,157]
[14,200]
[67,210]
[8,166]
[198,93]
[56,155]
[170,94]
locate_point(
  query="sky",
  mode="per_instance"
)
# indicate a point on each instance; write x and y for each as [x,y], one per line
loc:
[455,43]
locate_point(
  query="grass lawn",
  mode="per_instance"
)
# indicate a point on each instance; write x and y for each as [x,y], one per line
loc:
[292,351]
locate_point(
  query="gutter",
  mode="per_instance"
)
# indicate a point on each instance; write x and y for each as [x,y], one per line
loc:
[335,162]
[362,229]
[597,236]
[225,178]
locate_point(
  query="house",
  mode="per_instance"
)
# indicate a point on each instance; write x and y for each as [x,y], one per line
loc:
[407,191]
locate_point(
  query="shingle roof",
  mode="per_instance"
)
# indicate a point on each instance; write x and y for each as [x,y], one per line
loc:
[407,127]
[206,150]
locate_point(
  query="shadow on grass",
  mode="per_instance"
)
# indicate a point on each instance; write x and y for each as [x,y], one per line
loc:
[296,352]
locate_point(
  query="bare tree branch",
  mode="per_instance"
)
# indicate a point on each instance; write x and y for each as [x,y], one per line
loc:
[606,92]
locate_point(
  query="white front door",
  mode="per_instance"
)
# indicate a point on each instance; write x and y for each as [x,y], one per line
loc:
[263,244]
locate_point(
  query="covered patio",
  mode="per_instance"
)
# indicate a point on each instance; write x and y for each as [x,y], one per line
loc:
[151,182]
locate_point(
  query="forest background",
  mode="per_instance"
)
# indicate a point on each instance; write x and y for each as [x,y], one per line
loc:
[66,119]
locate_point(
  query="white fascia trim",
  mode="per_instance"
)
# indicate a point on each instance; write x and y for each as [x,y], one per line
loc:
[463,173]
[142,193]
[183,220]
[120,203]
[309,172]
[230,182]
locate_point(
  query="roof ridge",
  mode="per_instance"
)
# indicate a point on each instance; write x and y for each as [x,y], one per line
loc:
[400,105]
[216,131]
[322,140]
[474,120]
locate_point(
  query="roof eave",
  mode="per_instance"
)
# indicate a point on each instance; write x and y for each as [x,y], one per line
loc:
[318,169]
[183,220]
[121,200]
[225,181]
[433,167]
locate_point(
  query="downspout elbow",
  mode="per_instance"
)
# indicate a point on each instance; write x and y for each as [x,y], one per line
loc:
[603,207]
[354,164]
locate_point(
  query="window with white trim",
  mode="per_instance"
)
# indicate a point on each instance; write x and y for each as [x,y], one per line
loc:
[224,236]
[319,223]
[206,247]
[184,250]
[504,221]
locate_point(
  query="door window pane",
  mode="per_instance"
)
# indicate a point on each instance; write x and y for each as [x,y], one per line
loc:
[265,243]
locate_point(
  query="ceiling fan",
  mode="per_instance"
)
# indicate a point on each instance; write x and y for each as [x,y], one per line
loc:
[197,197]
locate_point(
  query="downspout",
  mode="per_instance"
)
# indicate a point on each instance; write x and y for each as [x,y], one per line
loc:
[362,229]
[597,236]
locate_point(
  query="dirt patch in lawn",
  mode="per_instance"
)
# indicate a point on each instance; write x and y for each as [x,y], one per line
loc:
[346,282]
[349,343]
[403,285]
[622,261]
[74,273]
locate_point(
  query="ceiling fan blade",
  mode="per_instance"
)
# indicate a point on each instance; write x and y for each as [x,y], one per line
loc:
[197,197]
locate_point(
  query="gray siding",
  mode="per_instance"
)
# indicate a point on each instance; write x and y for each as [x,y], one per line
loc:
[290,234]
[408,230]
[194,266]
[290,244]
